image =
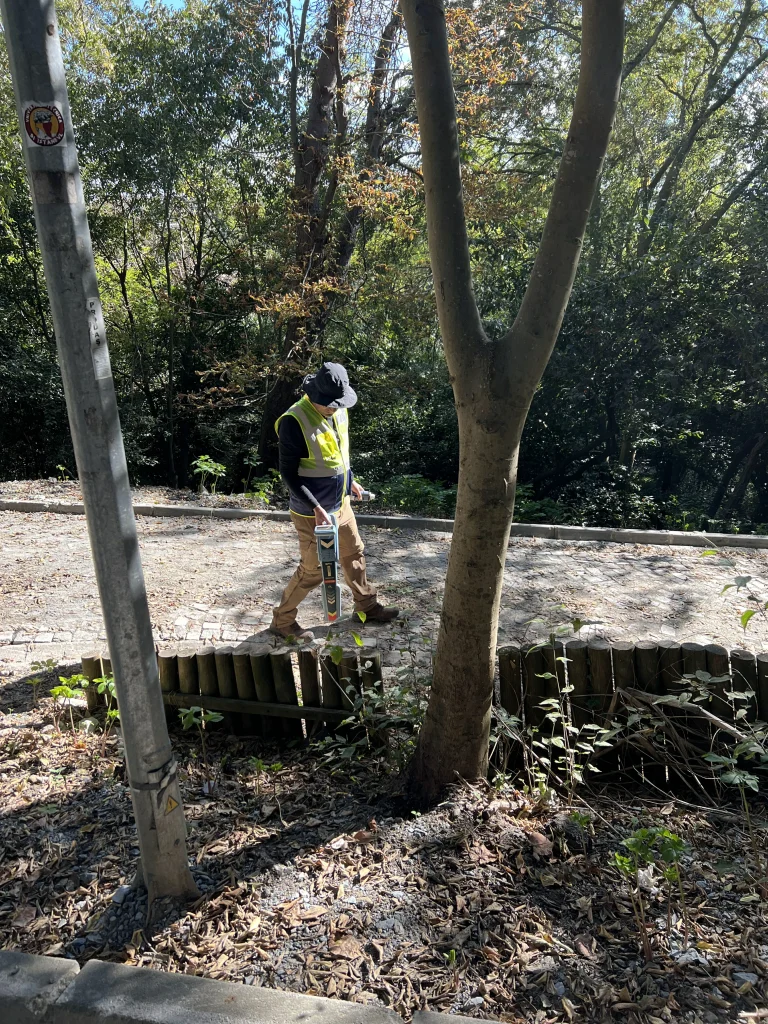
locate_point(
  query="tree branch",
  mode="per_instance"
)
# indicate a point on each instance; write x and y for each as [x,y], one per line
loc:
[460,324]
[530,341]
[653,38]
[295,50]
[733,197]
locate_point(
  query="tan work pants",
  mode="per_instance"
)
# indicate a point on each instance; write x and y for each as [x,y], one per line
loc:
[309,575]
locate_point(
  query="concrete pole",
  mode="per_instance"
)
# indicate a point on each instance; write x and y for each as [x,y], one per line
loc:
[32,37]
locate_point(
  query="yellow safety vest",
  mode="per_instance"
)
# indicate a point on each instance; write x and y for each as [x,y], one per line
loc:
[327,440]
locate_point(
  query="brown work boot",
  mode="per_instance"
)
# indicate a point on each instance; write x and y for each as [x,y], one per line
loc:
[380,613]
[292,632]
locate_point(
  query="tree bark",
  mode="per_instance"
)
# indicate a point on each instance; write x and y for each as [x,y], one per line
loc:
[736,497]
[730,472]
[493,383]
[304,335]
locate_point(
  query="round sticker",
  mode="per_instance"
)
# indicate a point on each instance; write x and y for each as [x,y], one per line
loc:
[44,124]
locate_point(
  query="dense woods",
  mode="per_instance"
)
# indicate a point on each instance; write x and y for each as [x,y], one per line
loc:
[256,199]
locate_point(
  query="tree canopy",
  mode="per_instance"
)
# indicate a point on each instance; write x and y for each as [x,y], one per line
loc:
[253,173]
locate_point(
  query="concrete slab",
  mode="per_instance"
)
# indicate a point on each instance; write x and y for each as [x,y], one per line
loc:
[105,993]
[543,531]
[29,984]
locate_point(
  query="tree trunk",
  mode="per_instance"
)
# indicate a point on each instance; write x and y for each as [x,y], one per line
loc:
[730,472]
[493,382]
[733,504]
[281,395]
[303,337]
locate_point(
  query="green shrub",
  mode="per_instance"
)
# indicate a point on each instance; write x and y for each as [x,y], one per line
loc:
[416,495]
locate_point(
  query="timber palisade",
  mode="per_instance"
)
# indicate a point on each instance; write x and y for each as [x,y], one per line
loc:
[255,686]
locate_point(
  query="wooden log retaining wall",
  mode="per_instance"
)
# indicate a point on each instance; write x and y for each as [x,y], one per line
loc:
[596,669]
[255,686]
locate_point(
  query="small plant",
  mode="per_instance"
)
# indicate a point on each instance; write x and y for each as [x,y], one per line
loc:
[70,688]
[64,474]
[629,866]
[646,847]
[105,685]
[583,823]
[259,767]
[205,467]
[252,461]
[671,849]
[731,773]
[263,488]
[40,668]
[196,717]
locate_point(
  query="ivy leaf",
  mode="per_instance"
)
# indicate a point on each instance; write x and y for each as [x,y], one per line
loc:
[746,616]
[357,638]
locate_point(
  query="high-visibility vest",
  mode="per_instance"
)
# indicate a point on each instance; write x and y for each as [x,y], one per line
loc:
[327,440]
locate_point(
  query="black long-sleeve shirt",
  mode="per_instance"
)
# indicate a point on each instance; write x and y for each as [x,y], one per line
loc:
[292,447]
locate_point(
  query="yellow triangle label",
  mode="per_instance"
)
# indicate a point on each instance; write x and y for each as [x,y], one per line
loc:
[171,805]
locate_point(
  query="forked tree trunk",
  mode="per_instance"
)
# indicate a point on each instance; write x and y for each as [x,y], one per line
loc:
[493,382]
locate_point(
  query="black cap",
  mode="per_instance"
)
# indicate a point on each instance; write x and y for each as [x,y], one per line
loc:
[330,387]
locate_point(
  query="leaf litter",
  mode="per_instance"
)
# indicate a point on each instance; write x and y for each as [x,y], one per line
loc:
[490,905]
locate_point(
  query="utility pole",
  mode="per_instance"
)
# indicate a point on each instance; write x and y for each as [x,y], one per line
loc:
[32,37]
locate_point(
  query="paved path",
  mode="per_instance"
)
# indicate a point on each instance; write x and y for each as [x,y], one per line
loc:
[213,580]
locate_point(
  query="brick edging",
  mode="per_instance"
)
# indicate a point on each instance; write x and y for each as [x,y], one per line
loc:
[48,990]
[544,531]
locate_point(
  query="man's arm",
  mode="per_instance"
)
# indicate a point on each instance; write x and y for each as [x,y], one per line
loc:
[292,447]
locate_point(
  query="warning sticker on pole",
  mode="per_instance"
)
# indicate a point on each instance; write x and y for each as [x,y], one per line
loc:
[99,352]
[43,124]
[171,805]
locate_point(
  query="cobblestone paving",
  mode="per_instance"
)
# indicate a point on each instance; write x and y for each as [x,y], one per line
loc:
[216,581]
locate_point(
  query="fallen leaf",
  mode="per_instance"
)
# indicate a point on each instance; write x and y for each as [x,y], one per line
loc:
[24,917]
[548,879]
[313,913]
[345,948]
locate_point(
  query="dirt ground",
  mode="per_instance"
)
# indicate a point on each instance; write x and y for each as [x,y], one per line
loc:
[217,581]
[314,877]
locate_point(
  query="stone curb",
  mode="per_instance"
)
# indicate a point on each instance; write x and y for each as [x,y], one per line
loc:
[47,990]
[602,534]
[30,984]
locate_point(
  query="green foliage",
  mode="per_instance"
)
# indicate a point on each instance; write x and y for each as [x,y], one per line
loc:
[380,725]
[651,412]
[197,718]
[204,467]
[264,488]
[417,495]
[70,688]
[652,848]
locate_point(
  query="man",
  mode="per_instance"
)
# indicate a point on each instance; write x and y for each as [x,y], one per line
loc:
[314,463]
